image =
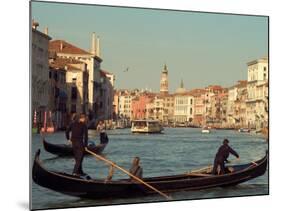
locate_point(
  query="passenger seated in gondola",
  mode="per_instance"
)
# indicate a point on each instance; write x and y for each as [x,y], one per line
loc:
[110,173]
[136,169]
[221,157]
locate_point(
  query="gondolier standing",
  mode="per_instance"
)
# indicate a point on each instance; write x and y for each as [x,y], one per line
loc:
[79,140]
[101,131]
[221,157]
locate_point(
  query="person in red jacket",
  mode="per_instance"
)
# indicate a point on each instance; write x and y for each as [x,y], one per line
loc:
[221,157]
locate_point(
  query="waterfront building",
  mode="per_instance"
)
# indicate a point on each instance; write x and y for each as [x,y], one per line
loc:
[257,88]
[105,111]
[39,73]
[139,105]
[223,102]
[164,85]
[209,103]
[154,109]
[232,96]
[57,93]
[183,105]
[168,109]
[115,105]
[77,79]
[158,108]
[93,60]
[240,104]
[199,106]
[125,104]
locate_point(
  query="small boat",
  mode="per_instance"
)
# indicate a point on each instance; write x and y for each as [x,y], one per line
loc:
[66,149]
[244,130]
[97,188]
[205,130]
[181,124]
[146,126]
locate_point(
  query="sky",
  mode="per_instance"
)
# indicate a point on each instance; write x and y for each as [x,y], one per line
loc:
[199,48]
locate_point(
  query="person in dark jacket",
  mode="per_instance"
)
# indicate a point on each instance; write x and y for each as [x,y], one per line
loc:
[79,140]
[221,157]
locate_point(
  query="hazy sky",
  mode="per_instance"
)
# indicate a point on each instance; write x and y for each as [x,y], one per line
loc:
[200,48]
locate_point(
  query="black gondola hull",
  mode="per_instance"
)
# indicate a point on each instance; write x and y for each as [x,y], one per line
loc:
[66,150]
[75,186]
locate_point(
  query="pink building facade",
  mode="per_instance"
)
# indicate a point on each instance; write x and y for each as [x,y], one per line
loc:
[139,106]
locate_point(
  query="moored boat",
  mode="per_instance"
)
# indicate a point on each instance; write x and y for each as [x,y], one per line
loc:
[205,130]
[146,126]
[66,149]
[244,130]
[97,188]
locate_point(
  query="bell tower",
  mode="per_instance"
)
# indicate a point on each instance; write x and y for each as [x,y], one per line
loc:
[164,88]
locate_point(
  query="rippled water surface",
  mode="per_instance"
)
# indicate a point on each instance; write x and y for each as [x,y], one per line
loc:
[175,151]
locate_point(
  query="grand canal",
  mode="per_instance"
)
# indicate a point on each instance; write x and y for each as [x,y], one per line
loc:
[175,151]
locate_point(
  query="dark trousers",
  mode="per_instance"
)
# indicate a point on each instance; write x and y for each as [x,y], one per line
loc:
[78,151]
[218,163]
[103,138]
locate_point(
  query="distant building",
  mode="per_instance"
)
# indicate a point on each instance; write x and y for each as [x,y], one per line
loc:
[199,97]
[125,104]
[106,96]
[257,100]
[39,73]
[139,105]
[168,108]
[240,104]
[183,105]
[223,102]
[210,100]
[158,108]
[164,85]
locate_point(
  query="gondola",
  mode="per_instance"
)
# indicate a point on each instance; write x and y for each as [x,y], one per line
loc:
[66,150]
[97,188]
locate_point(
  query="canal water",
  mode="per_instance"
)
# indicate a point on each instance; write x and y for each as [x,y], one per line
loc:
[175,151]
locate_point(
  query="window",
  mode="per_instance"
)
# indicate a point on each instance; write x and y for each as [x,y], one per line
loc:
[56,76]
[74,80]
[73,108]
[73,93]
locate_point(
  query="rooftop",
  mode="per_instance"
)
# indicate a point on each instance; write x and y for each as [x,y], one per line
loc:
[61,63]
[61,46]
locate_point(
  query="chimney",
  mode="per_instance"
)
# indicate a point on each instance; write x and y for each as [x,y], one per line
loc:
[46,31]
[98,47]
[61,45]
[93,45]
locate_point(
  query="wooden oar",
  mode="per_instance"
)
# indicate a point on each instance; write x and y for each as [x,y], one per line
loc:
[128,173]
